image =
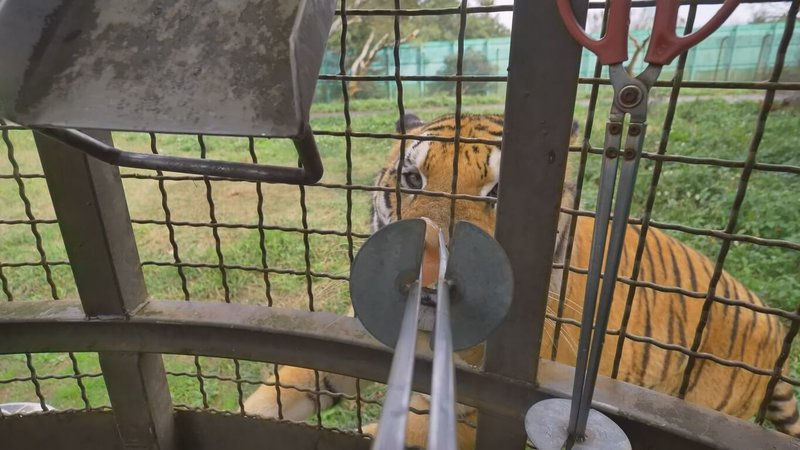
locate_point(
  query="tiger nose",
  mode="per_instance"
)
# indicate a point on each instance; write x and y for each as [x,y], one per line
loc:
[430,256]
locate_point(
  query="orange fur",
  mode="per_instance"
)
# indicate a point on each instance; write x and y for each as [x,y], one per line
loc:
[732,332]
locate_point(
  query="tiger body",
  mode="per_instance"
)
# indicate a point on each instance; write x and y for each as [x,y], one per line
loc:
[731,333]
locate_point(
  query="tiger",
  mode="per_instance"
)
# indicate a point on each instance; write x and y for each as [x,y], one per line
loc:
[732,332]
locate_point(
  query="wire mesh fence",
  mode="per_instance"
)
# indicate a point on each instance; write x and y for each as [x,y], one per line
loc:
[716,173]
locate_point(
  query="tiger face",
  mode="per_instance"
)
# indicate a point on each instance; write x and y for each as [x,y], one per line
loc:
[428,165]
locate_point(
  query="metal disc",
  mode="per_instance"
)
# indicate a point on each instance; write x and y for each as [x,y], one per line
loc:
[546,424]
[482,281]
[385,267]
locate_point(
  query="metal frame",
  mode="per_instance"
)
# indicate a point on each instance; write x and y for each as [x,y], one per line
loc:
[310,171]
[502,393]
[93,215]
[193,429]
[271,334]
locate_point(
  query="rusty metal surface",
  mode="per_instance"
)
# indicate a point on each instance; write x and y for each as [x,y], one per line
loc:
[212,66]
[92,213]
[195,431]
[341,345]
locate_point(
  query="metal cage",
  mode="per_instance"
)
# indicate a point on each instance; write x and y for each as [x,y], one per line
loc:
[131,340]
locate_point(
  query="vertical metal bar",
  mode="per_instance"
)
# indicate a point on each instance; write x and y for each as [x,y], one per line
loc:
[401,109]
[262,237]
[93,216]
[579,180]
[309,291]
[538,122]
[392,431]
[442,430]
[457,118]
[15,173]
[349,177]
[176,257]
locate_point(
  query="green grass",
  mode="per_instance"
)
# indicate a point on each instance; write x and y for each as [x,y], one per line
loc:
[694,195]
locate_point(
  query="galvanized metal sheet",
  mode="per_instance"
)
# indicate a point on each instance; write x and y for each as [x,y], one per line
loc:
[482,285]
[382,274]
[210,66]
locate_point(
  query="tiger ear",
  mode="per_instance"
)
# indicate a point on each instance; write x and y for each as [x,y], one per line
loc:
[410,121]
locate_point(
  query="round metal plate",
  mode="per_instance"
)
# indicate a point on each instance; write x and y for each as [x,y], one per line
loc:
[482,285]
[382,272]
[546,424]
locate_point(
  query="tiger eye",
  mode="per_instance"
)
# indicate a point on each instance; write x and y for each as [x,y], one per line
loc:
[413,180]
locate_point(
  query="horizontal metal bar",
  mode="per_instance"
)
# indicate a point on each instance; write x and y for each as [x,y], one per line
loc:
[33,263]
[259,269]
[756,85]
[341,345]
[311,171]
[409,12]
[464,78]
[715,162]
[766,242]
[789,315]
[51,377]
[245,226]
[195,430]
[652,3]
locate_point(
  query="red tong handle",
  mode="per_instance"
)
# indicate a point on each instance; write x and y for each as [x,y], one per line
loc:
[665,44]
[611,48]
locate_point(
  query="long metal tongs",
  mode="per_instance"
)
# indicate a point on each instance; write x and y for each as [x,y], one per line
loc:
[473,293]
[630,98]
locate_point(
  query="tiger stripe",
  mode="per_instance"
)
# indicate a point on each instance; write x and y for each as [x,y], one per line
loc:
[731,333]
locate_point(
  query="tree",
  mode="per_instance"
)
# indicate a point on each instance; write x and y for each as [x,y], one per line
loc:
[368,36]
[475,63]
[768,13]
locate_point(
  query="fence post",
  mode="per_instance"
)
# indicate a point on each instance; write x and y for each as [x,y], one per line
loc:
[538,120]
[729,55]
[420,71]
[92,213]
[763,54]
[719,56]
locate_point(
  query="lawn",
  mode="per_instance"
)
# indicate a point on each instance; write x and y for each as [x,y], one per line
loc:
[693,195]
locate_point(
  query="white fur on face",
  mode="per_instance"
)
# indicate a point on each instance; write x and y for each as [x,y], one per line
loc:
[415,155]
[494,171]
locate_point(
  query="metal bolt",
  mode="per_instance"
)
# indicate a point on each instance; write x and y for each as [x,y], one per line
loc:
[629,154]
[634,130]
[630,96]
[612,152]
[615,128]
